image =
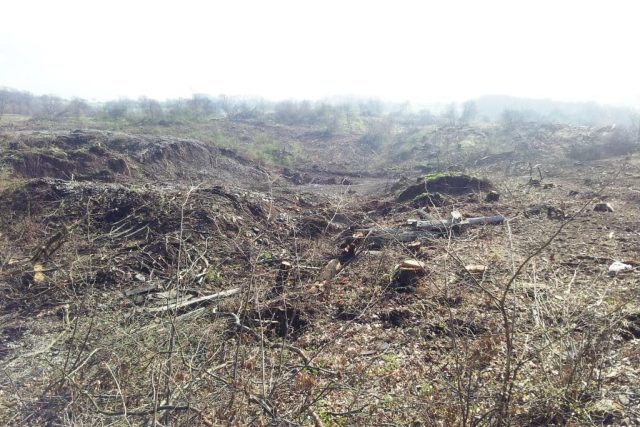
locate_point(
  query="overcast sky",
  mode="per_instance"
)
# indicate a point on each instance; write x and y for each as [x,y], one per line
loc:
[422,51]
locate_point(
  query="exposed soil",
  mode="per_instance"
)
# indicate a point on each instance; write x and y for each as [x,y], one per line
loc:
[451,184]
[102,233]
[108,156]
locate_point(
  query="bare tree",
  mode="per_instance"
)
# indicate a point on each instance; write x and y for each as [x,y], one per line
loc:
[4,96]
[151,109]
[50,106]
[469,112]
[635,125]
[450,115]
[78,107]
[117,109]
[228,105]
[510,118]
[200,105]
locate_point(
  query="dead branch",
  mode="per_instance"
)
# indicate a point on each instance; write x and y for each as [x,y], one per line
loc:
[381,236]
[201,300]
[257,336]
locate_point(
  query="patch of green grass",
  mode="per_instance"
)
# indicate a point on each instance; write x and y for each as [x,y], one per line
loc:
[387,401]
[13,119]
[390,358]
[390,363]
[212,275]
[269,151]
[424,389]
[437,175]
[7,181]
[327,418]
[421,198]
[265,256]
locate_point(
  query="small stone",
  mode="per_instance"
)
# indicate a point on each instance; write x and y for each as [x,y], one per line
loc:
[533,289]
[359,236]
[619,267]
[285,265]
[603,207]
[139,277]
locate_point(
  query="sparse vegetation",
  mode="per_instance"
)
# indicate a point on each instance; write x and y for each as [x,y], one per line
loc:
[220,261]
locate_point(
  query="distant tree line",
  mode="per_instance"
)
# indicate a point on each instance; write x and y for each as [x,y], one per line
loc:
[25,103]
[329,117]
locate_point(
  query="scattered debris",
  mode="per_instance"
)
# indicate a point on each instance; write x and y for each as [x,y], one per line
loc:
[533,290]
[181,303]
[551,211]
[423,214]
[379,237]
[443,225]
[141,290]
[171,249]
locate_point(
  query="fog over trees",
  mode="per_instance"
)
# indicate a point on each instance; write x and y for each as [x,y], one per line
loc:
[336,112]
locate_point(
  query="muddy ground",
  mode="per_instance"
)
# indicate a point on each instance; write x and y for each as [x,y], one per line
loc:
[152,279]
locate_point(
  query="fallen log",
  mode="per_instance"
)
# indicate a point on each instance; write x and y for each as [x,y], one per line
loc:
[445,224]
[200,300]
[423,214]
[144,289]
[423,229]
[380,236]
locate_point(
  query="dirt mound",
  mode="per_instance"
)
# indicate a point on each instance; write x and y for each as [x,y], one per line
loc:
[145,230]
[108,157]
[76,155]
[452,184]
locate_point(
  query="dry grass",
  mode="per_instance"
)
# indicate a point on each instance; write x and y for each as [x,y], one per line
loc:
[543,337]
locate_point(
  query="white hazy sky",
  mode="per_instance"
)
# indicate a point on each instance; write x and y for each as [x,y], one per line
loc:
[423,51]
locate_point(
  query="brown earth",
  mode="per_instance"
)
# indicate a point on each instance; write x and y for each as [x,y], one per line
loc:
[97,229]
